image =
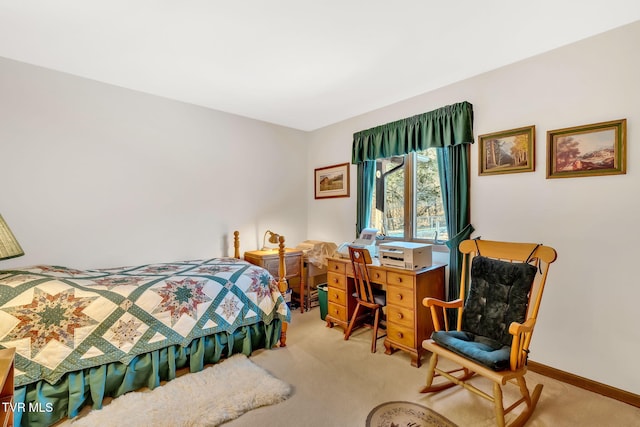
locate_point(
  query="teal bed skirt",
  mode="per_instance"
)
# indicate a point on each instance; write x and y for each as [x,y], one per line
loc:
[43,404]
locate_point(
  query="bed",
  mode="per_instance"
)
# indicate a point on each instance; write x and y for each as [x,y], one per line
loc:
[83,335]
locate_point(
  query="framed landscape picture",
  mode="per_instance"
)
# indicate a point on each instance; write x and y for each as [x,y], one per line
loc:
[508,151]
[596,149]
[332,181]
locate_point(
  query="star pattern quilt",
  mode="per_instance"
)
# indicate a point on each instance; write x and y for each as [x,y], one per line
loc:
[62,320]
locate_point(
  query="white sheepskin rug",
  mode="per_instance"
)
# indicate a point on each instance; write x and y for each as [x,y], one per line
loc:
[211,397]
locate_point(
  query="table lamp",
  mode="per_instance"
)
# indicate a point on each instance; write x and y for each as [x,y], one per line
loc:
[273,238]
[9,246]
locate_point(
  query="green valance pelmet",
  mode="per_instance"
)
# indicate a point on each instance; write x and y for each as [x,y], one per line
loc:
[446,126]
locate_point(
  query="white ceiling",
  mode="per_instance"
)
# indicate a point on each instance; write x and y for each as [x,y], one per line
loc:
[303,64]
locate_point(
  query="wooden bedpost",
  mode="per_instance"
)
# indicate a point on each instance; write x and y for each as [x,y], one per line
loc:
[236,244]
[283,286]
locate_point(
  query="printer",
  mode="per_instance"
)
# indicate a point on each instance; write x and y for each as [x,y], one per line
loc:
[407,255]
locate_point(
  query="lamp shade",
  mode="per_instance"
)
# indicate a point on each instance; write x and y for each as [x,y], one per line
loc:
[9,246]
[273,238]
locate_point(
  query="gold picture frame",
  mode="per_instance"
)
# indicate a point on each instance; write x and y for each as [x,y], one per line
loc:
[507,151]
[588,150]
[332,181]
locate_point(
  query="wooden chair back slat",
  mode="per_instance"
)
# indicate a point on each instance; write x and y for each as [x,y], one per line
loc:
[360,257]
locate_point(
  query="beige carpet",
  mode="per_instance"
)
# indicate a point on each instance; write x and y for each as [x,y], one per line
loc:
[337,383]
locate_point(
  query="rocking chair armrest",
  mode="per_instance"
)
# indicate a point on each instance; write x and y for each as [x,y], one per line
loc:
[519,328]
[435,302]
[438,308]
[520,345]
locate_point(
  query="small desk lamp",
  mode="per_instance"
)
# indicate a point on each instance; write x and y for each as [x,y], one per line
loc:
[273,238]
[9,246]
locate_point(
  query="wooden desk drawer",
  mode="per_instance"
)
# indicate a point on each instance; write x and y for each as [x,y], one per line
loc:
[338,312]
[398,279]
[400,334]
[377,275]
[336,266]
[337,296]
[400,315]
[337,281]
[401,296]
[348,269]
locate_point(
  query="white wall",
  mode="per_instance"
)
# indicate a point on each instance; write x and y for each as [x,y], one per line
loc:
[98,176]
[588,323]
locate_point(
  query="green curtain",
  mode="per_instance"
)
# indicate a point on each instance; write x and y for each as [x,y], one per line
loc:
[453,164]
[366,183]
[448,128]
[440,128]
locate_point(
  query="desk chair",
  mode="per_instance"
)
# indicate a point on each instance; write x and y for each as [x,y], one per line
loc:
[366,297]
[495,322]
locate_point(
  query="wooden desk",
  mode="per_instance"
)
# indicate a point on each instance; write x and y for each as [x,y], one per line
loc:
[294,265]
[408,321]
[6,386]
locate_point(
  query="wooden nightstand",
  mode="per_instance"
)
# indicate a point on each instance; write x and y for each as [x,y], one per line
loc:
[6,386]
[294,262]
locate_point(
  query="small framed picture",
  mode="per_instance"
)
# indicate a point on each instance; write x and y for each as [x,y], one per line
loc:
[332,181]
[589,150]
[508,151]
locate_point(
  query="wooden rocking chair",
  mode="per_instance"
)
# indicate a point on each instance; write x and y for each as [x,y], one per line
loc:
[495,322]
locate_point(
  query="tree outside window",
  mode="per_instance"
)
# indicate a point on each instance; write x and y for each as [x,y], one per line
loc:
[407,201]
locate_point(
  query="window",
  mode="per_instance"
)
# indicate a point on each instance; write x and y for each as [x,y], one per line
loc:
[407,201]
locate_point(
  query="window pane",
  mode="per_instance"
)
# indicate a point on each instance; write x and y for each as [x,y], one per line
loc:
[388,200]
[429,213]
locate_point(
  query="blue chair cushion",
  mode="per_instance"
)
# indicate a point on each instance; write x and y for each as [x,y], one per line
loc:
[498,296]
[485,351]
